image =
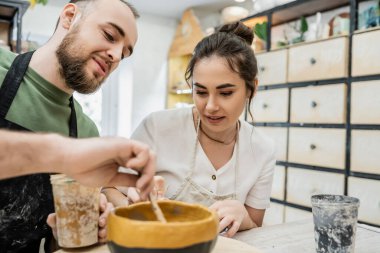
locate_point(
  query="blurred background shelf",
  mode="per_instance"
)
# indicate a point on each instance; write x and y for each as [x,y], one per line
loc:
[188,34]
[11,13]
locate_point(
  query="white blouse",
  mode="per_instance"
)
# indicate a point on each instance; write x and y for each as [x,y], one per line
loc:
[171,134]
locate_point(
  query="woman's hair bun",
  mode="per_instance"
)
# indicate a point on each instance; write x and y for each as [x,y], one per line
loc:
[239,29]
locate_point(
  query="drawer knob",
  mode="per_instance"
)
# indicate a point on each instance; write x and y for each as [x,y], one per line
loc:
[262,68]
[312,147]
[313,104]
[313,61]
[265,106]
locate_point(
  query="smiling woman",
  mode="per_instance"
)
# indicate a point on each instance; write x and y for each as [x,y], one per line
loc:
[206,154]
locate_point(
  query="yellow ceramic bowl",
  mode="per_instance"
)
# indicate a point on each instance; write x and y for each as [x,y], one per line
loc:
[190,228]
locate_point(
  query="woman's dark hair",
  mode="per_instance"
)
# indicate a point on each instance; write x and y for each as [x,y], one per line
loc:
[233,43]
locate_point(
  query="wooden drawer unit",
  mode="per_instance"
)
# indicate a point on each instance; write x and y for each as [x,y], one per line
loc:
[302,184]
[319,60]
[367,190]
[319,104]
[316,146]
[320,101]
[294,214]
[279,135]
[274,214]
[272,67]
[365,102]
[365,152]
[366,53]
[270,106]
[278,185]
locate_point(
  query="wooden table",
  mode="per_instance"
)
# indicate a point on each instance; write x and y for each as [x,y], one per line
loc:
[223,245]
[298,237]
[294,237]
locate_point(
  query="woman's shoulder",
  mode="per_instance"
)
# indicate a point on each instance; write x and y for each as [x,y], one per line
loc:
[170,115]
[169,120]
[258,138]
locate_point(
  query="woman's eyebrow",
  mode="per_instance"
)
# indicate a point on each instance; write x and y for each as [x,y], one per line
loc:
[222,86]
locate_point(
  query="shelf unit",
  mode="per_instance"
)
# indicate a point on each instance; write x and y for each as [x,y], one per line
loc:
[188,34]
[11,13]
[348,94]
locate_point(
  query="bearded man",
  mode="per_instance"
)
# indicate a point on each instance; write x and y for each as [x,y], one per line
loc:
[91,38]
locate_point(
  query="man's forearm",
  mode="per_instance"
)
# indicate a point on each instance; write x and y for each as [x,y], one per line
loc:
[25,153]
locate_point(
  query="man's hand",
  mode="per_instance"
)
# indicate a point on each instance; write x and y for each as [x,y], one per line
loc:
[95,162]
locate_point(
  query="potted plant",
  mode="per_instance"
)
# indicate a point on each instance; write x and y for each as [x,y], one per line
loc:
[301,29]
[260,30]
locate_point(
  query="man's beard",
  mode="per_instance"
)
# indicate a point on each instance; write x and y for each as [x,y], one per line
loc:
[72,65]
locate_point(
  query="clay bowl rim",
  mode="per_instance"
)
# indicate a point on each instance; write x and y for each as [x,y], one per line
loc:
[210,218]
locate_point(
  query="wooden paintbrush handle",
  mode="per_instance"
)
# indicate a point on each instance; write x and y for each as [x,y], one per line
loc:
[156,209]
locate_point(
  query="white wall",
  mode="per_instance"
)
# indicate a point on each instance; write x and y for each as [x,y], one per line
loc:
[39,22]
[117,101]
[142,80]
[150,65]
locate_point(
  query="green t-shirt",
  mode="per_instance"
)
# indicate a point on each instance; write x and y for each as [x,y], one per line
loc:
[42,107]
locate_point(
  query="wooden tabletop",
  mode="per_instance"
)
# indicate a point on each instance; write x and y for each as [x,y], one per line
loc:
[223,245]
[298,237]
[294,237]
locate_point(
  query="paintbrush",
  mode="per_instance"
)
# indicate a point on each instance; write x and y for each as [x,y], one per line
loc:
[156,209]
[152,198]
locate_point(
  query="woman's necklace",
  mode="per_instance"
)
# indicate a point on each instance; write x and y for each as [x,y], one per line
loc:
[218,141]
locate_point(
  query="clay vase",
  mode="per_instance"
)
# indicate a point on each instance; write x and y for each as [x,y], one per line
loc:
[189,228]
[77,210]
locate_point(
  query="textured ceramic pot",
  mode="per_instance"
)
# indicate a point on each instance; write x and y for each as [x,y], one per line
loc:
[335,219]
[190,228]
[77,210]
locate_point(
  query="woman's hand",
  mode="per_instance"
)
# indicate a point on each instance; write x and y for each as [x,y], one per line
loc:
[134,194]
[104,207]
[233,216]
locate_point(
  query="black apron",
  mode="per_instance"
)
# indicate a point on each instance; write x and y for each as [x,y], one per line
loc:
[26,201]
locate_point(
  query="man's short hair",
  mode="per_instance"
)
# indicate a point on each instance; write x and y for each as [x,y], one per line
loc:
[133,9]
[84,2]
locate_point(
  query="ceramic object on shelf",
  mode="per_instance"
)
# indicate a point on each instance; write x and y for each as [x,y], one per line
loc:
[189,228]
[370,17]
[340,24]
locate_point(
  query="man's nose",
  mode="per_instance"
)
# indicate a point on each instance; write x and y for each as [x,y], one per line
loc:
[115,53]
